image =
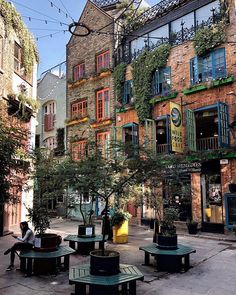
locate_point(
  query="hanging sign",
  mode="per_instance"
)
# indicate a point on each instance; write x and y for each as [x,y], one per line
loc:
[176,127]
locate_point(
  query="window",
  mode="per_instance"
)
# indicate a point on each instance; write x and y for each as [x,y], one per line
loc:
[79,109]
[103,104]
[17,58]
[50,143]
[208,127]
[49,116]
[209,67]
[103,139]
[79,150]
[127,92]
[161,81]
[103,61]
[1,52]
[79,71]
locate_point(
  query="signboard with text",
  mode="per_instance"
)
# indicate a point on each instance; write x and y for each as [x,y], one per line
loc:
[176,127]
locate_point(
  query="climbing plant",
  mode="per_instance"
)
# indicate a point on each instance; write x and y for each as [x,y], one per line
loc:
[13,22]
[207,38]
[142,70]
[119,79]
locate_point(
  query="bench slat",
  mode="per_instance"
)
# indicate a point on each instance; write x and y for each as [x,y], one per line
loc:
[60,252]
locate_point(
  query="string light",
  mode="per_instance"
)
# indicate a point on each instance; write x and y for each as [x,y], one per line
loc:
[59,9]
[43,20]
[51,35]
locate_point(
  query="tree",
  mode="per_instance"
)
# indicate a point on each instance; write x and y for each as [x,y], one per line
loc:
[14,160]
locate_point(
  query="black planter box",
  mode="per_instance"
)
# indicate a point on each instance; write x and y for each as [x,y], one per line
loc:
[104,265]
[192,228]
[83,229]
[232,187]
[167,242]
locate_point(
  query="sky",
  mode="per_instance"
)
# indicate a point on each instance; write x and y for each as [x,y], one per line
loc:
[48,21]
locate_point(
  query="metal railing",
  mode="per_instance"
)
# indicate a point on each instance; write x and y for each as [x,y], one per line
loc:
[163,148]
[207,143]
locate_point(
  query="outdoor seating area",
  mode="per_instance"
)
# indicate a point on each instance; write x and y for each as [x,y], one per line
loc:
[37,262]
[174,260]
[85,244]
[103,285]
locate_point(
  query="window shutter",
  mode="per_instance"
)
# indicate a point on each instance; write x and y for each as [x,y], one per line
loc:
[166,77]
[223,124]
[194,76]
[191,130]
[150,135]
[134,134]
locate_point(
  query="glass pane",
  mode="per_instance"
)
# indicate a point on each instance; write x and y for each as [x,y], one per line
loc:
[188,21]
[220,70]
[106,104]
[203,13]
[207,68]
[162,32]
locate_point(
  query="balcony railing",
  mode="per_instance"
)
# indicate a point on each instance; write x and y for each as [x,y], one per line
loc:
[163,148]
[104,3]
[207,143]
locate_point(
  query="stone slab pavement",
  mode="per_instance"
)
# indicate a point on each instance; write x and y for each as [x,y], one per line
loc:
[213,271]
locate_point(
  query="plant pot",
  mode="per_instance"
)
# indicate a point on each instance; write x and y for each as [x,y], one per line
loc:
[192,228]
[167,242]
[120,233]
[232,187]
[104,265]
[47,242]
[86,231]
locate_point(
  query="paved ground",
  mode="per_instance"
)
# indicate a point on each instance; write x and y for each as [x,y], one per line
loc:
[213,272]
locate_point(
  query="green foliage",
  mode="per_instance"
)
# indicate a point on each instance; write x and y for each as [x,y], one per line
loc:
[119,79]
[142,71]
[49,183]
[28,101]
[119,217]
[208,38]
[13,22]
[60,149]
[11,136]
[167,223]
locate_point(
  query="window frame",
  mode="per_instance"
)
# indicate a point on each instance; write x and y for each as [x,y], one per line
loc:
[104,143]
[158,82]
[78,150]
[103,64]
[79,71]
[198,66]
[127,91]
[101,107]
[18,58]
[84,108]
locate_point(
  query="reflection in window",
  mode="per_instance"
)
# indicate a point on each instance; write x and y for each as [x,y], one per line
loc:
[203,13]
[162,32]
[187,19]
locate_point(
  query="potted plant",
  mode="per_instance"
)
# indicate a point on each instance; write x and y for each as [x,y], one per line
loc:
[167,237]
[192,227]
[119,222]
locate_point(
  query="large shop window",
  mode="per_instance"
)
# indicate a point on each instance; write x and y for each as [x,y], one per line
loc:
[103,61]
[79,71]
[79,109]
[161,81]
[209,67]
[103,141]
[79,150]
[208,127]
[49,116]
[128,92]
[157,135]
[103,104]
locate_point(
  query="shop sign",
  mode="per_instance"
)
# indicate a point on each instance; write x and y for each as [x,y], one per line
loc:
[176,127]
[186,167]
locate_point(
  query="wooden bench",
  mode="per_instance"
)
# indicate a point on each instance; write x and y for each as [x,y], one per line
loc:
[169,260]
[102,285]
[85,245]
[51,261]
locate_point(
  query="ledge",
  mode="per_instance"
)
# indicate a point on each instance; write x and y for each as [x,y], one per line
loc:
[157,99]
[194,89]
[76,83]
[101,75]
[101,123]
[124,109]
[77,121]
[223,81]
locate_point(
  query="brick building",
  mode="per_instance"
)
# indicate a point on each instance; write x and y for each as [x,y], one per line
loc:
[18,85]
[192,101]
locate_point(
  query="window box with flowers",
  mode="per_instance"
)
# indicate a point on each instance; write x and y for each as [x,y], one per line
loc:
[195,88]
[223,81]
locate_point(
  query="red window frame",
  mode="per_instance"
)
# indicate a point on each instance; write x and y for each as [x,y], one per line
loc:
[78,150]
[79,71]
[79,108]
[103,61]
[101,139]
[103,104]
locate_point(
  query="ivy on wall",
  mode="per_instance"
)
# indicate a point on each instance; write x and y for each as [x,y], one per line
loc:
[60,149]
[207,38]
[119,79]
[13,22]
[142,70]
